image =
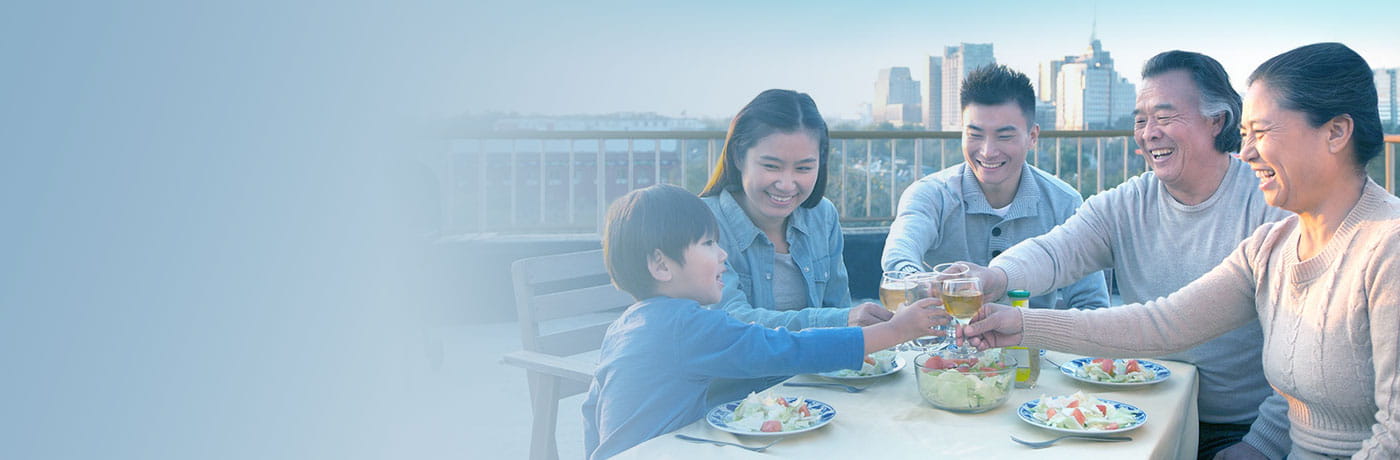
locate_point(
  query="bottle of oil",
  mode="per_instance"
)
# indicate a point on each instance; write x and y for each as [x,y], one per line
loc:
[1027,359]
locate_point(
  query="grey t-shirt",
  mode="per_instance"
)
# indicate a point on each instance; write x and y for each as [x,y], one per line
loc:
[789,291]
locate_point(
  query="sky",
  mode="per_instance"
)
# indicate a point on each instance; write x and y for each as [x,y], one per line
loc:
[708,59]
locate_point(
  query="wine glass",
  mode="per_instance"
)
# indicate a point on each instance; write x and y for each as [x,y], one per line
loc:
[894,290]
[962,297]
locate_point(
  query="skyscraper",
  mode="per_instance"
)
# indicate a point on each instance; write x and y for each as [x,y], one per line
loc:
[896,97]
[933,98]
[1389,106]
[1088,92]
[958,61]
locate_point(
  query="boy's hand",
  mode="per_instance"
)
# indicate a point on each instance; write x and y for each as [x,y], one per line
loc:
[920,318]
[994,326]
[868,313]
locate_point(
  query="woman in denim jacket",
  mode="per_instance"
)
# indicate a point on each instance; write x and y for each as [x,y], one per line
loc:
[784,240]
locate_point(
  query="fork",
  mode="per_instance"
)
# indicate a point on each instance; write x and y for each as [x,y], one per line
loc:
[723,443]
[1042,444]
[848,388]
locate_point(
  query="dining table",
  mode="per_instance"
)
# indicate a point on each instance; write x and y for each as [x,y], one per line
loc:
[889,419]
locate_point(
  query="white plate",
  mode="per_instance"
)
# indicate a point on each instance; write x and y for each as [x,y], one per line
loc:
[1071,369]
[1027,414]
[721,415]
[899,363]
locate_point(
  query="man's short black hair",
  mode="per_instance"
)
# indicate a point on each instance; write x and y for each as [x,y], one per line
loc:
[996,85]
[664,217]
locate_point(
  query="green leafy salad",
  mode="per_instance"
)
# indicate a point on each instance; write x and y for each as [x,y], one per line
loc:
[763,412]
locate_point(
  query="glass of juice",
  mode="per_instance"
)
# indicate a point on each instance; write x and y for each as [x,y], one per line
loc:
[962,297]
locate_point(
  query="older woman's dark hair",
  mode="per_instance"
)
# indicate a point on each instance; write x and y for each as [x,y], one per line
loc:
[660,217]
[773,111]
[1326,80]
[1218,98]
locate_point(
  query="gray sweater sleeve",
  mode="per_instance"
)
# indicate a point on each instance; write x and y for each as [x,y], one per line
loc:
[915,228]
[1067,253]
[1269,432]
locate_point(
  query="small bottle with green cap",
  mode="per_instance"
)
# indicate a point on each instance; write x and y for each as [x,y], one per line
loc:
[1028,369]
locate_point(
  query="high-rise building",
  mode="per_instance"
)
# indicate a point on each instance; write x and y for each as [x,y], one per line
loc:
[1386,92]
[1049,71]
[1088,92]
[933,98]
[1045,114]
[958,61]
[896,97]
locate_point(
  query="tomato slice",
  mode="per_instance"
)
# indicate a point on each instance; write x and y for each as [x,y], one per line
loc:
[1078,416]
[1133,366]
[771,426]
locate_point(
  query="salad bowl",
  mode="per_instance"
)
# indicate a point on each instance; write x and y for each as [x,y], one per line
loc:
[979,383]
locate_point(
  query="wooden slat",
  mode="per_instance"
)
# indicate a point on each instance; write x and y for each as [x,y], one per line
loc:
[560,267]
[573,341]
[568,368]
[580,301]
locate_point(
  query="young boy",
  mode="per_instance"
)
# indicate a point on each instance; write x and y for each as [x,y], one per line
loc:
[659,357]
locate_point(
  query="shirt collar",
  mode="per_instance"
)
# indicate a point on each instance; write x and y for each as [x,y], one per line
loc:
[745,232]
[1022,205]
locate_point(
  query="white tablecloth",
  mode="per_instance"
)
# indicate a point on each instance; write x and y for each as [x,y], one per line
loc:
[891,420]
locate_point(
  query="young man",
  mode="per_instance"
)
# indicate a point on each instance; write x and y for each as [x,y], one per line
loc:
[975,210]
[1167,227]
[660,356]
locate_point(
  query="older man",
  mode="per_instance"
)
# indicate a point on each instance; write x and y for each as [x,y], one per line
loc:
[1163,229]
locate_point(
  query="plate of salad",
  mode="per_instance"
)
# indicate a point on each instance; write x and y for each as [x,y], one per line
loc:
[763,414]
[886,362]
[1116,372]
[1081,414]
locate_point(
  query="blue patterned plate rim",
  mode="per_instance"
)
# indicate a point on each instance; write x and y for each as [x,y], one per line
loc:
[1027,414]
[719,417]
[899,363]
[1071,369]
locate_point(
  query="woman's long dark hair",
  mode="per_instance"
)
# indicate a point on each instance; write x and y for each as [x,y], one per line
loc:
[773,111]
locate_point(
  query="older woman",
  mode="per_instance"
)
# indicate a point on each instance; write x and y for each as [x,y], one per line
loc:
[1325,284]
[783,238]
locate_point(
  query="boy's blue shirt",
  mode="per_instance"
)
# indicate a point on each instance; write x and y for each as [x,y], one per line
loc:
[816,244]
[659,357]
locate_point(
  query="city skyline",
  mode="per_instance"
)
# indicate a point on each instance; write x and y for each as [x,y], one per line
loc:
[629,57]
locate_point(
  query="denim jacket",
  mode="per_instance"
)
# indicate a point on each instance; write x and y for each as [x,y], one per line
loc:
[815,242]
[944,217]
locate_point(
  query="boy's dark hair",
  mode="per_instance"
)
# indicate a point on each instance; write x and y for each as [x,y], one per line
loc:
[1218,98]
[996,85]
[771,112]
[664,217]
[1326,80]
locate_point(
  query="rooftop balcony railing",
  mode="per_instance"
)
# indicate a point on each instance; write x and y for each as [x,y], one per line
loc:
[551,182]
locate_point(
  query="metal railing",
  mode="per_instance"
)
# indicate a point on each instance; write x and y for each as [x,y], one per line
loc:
[562,181]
